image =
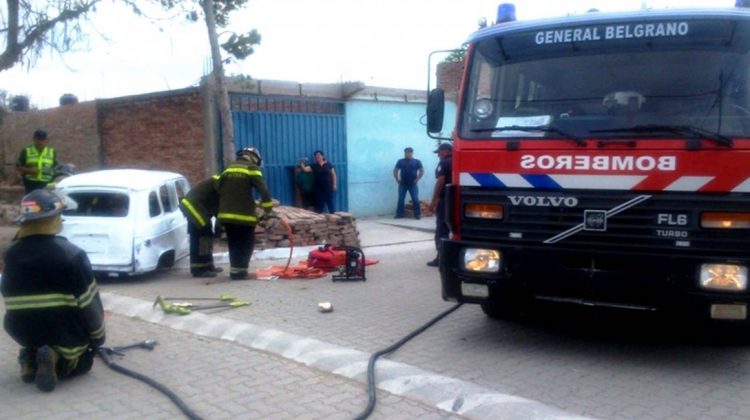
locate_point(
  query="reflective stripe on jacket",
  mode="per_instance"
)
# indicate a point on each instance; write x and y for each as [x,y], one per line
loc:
[201,202]
[236,201]
[50,295]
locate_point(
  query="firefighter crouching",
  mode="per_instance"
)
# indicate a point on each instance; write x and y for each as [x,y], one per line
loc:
[237,208]
[199,205]
[52,303]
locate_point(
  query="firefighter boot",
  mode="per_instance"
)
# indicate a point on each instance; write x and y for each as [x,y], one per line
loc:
[27,358]
[238,275]
[243,275]
[46,374]
[204,273]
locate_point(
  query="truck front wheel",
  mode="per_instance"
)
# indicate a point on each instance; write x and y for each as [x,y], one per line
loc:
[502,309]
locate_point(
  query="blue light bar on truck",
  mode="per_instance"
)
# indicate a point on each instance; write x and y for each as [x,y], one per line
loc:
[506,12]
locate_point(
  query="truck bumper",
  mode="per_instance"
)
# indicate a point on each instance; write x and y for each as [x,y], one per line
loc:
[594,278]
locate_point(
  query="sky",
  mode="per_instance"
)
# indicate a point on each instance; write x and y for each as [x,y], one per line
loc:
[382,43]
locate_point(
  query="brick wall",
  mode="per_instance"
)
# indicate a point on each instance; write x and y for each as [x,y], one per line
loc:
[71,130]
[449,79]
[161,131]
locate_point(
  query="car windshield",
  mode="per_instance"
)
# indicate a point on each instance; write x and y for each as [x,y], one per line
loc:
[99,204]
[681,78]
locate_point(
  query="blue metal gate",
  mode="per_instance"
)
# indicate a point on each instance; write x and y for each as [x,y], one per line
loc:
[285,129]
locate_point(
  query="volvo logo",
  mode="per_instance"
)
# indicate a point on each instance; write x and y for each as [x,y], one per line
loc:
[595,220]
[542,201]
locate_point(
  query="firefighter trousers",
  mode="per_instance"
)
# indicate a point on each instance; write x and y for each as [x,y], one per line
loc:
[241,241]
[441,226]
[201,248]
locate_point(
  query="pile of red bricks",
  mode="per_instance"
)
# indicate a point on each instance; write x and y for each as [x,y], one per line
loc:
[423,207]
[308,228]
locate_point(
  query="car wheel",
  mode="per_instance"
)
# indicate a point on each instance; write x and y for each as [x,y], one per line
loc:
[166,260]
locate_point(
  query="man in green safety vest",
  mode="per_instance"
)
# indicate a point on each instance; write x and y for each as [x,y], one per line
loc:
[52,303]
[36,163]
[237,208]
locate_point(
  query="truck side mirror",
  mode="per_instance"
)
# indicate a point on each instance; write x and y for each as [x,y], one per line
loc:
[435,110]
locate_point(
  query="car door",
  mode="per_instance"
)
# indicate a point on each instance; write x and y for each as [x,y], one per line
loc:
[150,231]
[177,189]
[164,224]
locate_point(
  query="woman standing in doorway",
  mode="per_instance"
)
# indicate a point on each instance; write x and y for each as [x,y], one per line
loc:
[324,181]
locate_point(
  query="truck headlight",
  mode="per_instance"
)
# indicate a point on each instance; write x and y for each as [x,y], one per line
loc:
[725,277]
[483,108]
[482,260]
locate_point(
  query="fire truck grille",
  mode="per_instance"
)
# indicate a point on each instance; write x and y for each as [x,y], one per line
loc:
[653,223]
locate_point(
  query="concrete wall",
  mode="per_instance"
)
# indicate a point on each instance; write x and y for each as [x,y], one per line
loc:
[163,131]
[71,130]
[377,133]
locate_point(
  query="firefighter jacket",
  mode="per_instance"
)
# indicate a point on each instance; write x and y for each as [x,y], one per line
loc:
[236,202]
[51,297]
[44,161]
[201,202]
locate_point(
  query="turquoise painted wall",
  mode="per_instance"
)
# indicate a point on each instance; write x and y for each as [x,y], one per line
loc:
[377,133]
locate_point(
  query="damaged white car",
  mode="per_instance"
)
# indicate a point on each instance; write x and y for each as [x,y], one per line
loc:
[127,220]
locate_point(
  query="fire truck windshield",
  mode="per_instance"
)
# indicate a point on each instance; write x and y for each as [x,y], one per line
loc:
[681,79]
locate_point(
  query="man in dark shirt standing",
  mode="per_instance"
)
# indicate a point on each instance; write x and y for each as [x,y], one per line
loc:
[411,171]
[443,174]
[324,181]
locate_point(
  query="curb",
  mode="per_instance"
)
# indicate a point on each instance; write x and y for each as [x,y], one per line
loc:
[442,392]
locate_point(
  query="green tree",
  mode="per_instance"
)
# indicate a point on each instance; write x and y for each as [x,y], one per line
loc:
[456,56]
[29,28]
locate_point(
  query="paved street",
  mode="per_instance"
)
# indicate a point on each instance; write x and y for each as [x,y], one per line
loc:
[281,358]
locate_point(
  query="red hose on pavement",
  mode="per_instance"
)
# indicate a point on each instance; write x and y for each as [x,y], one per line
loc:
[286,272]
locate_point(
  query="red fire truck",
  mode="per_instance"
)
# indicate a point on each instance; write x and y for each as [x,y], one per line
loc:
[602,159]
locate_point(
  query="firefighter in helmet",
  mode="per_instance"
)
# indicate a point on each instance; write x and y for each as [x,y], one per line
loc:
[52,303]
[199,205]
[237,208]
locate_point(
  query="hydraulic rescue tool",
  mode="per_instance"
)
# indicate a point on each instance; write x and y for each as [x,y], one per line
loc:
[145,344]
[186,308]
[221,298]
